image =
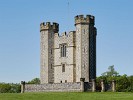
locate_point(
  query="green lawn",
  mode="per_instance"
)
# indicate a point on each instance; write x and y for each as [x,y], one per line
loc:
[67,96]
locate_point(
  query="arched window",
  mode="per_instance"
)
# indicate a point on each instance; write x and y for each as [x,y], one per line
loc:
[63,50]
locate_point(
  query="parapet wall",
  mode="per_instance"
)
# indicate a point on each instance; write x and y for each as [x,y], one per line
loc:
[69,39]
[56,87]
[49,26]
[80,19]
[68,87]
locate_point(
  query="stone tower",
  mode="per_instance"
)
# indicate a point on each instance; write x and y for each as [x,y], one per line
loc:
[85,48]
[70,56]
[47,53]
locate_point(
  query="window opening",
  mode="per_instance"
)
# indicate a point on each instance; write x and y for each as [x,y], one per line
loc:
[63,50]
[63,67]
[65,81]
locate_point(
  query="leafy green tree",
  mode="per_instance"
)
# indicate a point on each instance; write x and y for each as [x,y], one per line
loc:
[111,72]
[122,83]
[130,87]
[34,81]
[10,88]
[4,88]
[15,88]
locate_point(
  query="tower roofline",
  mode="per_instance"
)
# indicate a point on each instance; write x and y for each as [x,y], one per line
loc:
[80,19]
[47,26]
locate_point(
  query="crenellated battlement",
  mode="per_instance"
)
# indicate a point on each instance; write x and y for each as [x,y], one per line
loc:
[64,34]
[47,26]
[80,19]
[64,38]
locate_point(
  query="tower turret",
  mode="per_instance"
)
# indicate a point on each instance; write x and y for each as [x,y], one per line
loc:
[85,47]
[49,26]
[80,19]
[47,31]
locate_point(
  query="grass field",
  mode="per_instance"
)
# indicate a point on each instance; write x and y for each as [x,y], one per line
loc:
[67,96]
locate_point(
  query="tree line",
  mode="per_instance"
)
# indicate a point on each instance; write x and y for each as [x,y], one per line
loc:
[124,83]
[15,88]
[10,88]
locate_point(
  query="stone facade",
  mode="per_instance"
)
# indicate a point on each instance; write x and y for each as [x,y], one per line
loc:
[69,56]
[56,87]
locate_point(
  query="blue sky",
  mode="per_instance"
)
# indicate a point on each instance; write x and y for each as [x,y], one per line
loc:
[20,37]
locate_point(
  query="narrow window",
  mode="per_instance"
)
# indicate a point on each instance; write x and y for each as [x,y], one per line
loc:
[60,81]
[51,51]
[63,67]
[63,50]
[51,66]
[65,81]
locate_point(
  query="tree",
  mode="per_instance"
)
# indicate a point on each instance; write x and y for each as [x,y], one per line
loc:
[9,88]
[15,88]
[34,81]
[4,88]
[111,72]
[130,87]
[122,83]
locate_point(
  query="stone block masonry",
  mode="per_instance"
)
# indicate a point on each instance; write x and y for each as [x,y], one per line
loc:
[66,87]
[56,87]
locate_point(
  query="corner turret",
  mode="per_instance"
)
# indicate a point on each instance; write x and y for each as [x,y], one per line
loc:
[49,26]
[80,19]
